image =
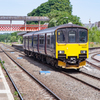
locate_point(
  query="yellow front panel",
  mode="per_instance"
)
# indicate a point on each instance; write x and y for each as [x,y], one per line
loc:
[71,49]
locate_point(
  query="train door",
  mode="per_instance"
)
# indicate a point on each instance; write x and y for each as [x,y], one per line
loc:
[32,43]
[50,42]
[42,43]
[35,42]
[72,42]
[24,43]
[45,44]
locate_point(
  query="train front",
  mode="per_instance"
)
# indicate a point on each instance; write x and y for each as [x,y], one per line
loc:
[71,47]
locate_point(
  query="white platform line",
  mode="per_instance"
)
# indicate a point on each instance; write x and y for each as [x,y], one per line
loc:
[5,91]
[9,94]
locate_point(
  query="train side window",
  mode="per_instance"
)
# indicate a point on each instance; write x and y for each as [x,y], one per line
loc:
[34,40]
[24,40]
[82,36]
[72,36]
[41,39]
[60,37]
[48,39]
[30,41]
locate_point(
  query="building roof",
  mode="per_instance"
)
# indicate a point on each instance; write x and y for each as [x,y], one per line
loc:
[90,25]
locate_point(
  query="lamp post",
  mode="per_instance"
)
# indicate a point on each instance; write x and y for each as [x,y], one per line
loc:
[55,22]
[66,18]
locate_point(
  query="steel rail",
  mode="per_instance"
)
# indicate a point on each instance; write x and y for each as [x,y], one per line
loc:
[21,98]
[81,81]
[98,78]
[33,77]
[92,57]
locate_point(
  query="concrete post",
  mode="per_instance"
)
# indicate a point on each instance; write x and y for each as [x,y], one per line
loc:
[39,25]
[11,24]
[25,24]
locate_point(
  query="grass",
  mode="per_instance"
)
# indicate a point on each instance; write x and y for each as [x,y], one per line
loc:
[15,93]
[93,44]
[6,76]
[2,64]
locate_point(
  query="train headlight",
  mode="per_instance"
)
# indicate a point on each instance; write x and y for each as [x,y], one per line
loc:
[83,52]
[60,52]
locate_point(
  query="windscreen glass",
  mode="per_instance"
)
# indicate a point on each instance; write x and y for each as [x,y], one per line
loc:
[82,36]
[72,36]
[61,36]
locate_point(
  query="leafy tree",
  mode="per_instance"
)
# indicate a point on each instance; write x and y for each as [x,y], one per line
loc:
[55,10]
[47,7]
[94,35]
[59,18]
[12,37]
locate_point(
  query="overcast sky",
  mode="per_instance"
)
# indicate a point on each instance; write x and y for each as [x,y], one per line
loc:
[85,9]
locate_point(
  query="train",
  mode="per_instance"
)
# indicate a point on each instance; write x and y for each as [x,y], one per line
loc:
[63,46]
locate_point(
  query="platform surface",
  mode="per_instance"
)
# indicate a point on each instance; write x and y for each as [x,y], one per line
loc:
[5,93]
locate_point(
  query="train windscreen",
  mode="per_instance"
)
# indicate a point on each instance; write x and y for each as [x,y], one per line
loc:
[61,35]
[82,36]
[72,35]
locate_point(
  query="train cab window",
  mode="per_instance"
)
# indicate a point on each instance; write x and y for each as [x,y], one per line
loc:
[60,37]
[72,36]
[82,36]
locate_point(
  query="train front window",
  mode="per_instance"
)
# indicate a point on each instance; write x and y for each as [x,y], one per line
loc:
[72,36]
[82,36]
[60,36]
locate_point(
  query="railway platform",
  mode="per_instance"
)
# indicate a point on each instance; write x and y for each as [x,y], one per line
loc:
[5,93]
[18,46]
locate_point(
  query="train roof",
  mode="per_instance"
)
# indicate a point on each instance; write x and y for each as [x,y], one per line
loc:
[29,34]
[52,29]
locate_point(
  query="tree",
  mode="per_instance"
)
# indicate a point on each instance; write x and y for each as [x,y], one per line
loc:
[59,18]
[47,7]
[55,10]
[94,35]
[13,39]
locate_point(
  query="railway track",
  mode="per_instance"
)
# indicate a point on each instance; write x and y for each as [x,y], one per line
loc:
[19,94]
[92,61]
[81,76]
[85,78]
[40,83]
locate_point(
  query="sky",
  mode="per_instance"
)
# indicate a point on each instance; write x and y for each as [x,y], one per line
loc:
[85,9]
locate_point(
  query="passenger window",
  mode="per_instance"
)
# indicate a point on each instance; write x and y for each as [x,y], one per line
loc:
[48,39]
[30,42]
[41,39]
[60,37]
[82,36]
[72,36]
[34,40]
